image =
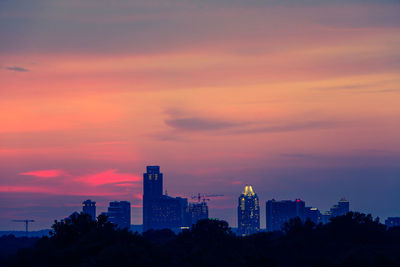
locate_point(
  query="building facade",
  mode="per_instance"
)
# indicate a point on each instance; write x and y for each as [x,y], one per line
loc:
[342,208]
[119,213]
[196,212]
[313,214]
[152,191]
[280,212]
[161,211]
[89,207]
[248,212]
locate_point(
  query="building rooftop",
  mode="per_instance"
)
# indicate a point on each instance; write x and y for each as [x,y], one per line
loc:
[248,191]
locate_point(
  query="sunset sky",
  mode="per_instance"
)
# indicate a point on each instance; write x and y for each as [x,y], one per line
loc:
[296,98]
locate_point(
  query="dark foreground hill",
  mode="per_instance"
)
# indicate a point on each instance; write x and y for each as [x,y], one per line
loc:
[351,240]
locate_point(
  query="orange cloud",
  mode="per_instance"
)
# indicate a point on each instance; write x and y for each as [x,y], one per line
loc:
[108,177]
[45,173]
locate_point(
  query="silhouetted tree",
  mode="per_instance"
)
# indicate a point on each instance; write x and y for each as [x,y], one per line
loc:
[354,239]
[159,237]
[296,226]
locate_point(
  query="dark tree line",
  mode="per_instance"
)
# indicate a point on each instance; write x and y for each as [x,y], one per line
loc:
[354,239]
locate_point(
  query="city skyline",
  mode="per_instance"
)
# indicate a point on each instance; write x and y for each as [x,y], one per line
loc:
[155,187]
[299,99]
[161,211]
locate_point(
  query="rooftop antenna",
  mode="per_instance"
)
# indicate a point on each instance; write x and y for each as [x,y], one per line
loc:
[27,221]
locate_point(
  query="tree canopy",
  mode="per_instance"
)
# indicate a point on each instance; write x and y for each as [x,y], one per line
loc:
[354,239]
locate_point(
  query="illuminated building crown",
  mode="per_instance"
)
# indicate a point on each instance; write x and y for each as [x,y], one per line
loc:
[248,191]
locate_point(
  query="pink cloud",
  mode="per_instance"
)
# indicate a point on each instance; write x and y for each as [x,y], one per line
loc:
[52,190]
[23,189]
[126,184]
[109,183]
[45,173]
[108,177]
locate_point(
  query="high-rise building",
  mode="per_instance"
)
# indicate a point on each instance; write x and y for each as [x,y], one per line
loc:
[160,211]
[280,212]
[152,190]
[89,207]
[119,213]
[313,214]
[392,222]
[248,212]
[197,211]
[342,208]
[152,182]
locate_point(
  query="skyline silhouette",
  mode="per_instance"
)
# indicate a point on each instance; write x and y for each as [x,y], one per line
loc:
[153,180]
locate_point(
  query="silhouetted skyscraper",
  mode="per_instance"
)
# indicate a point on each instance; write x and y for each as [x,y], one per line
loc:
[89,207]
[119,213]
[341,208]
[248,212]
[280,212]
[313,214]
[152,189]
[160,211]
[197,211]
[152,182]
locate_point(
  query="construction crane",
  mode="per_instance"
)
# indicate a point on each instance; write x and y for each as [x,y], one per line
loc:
[26,224]
[204,197]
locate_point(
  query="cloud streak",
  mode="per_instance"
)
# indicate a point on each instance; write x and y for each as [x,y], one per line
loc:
[17,69]
[289,127]
[111,176]
[45,173]
[199,124]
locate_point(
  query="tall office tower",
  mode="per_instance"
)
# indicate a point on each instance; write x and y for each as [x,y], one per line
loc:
[89,207]
[197,211]
[119,213]
[152,190]
[341,208]
[248,212]
[160,211]
[344,206]
[280,212]
[392,222]
[152,182]
[313,214]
